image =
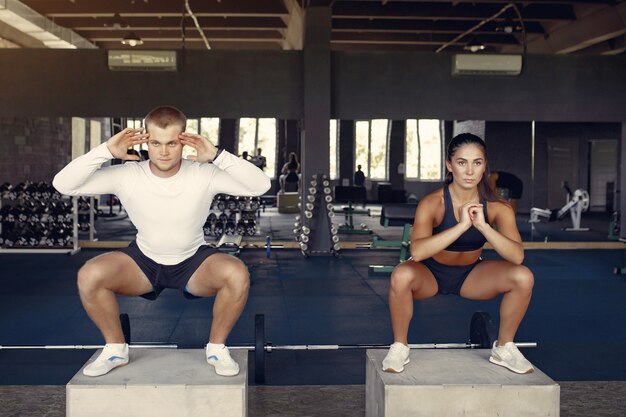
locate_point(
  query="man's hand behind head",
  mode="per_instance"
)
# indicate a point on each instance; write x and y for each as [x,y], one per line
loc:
[119,143]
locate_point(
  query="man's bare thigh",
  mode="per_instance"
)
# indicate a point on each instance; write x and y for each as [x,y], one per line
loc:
[120,273]
[212,274]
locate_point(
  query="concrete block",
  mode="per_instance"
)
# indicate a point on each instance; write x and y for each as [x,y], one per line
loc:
[287,202]
[455,382]
[160,382]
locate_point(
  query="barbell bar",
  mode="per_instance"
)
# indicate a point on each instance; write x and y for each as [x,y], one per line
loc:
[482,335]
[267,348]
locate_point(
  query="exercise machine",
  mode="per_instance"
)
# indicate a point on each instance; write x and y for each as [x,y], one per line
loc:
[577,203]
[402,244]
[350,195]
[394,215]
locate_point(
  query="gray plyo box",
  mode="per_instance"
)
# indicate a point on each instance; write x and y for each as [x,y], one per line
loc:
[160,382]
[455,382]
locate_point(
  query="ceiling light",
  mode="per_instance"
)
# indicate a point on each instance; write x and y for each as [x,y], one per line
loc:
[132,39]
[508,26]
[474,45]
[116,22]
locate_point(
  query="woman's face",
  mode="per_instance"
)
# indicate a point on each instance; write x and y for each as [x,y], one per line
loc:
[467,165]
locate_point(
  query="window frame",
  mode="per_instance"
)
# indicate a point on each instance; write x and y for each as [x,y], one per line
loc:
[419,147]
[337,150]
[369,149]
[272,174]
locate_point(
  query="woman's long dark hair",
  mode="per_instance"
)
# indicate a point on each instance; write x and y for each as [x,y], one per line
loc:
[293,161]
[484,190]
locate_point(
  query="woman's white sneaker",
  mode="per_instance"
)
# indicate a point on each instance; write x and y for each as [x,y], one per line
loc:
[396,358]
[112,356]
[511,358]
[218,356]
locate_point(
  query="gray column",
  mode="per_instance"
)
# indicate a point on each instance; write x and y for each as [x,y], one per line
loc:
[396,153]
[228,131]
[315,151]
[315,134]
[292,137]
[346,150]
[621,182]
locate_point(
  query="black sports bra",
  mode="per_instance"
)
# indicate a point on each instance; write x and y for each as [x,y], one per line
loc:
[472,239]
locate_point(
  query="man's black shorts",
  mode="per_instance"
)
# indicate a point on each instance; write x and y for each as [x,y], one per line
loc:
[168,276]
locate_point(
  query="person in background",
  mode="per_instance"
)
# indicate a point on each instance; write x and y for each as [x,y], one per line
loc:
[359,177]
[290,172]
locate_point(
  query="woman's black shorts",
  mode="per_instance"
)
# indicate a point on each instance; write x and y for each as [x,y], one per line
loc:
[450,278]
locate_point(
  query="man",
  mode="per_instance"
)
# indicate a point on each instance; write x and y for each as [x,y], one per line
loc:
[167,198]
[258,159]
[359,177]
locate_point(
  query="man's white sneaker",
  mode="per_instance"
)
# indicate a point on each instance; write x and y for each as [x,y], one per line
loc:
[396,358]
[113,355]
[219,357]
[511,358]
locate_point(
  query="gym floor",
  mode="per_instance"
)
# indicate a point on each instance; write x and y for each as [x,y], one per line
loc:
[576,316]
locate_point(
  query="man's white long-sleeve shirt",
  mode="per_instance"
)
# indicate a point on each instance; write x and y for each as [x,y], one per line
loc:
[169,213]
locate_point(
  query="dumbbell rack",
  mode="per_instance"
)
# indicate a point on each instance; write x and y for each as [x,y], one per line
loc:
[22,198]
[234,210]
[90,210]
[314,228]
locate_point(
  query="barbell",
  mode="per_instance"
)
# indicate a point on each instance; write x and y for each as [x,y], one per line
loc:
[482,336]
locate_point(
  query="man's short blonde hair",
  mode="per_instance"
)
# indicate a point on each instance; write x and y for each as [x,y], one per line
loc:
[164,116]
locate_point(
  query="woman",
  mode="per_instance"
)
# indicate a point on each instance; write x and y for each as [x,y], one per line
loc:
[290,172]
[450,228]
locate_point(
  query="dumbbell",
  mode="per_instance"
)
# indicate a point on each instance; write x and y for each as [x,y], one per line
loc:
[230,228]
[241,227]
[218,228]
[250,228]
[232,203]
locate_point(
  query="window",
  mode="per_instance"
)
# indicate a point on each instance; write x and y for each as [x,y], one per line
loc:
[423,156]
[209,127]
[136,123]
[372,142]
[334,149]
[259,134]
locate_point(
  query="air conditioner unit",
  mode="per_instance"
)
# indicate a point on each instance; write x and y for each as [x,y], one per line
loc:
[142,60]
[486,64]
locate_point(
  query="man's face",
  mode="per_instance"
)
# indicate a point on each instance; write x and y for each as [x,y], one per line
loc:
[165,150]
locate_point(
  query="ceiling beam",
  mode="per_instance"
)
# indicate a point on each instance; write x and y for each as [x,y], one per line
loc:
[520,2]
[193,44]
[347,46]
[174,21]
[615,46]
[430,11]
[17,37]
[59,8]
[175,34]
[604,24]
[294,35]
[426,26]
[422,39]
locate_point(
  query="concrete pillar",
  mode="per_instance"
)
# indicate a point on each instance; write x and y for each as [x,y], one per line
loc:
[346,150]
[621,182]
[228,132]
[316,91]
[397,144]
[315,134]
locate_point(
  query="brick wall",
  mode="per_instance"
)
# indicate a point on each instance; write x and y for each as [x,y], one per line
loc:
[35,149]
